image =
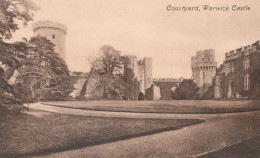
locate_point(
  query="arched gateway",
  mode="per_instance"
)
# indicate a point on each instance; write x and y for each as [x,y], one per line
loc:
[166,85]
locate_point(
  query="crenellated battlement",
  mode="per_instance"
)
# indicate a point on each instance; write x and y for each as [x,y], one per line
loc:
[167,80]
[236,67]
[233,54]
[205,51]
[142,69]
[203,58]
[53,31]
[203,67]
[49,25]
[241,51]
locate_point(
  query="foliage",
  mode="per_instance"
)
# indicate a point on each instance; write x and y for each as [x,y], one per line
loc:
[12,11]
[132,84]
[11,108]
[12,55]
[186,90]
[210,93]
[46,72]
[255,73]
[234,80]
[114,86]
[165,89]
[107,65]
[110,60]
[224,85]
[149,93]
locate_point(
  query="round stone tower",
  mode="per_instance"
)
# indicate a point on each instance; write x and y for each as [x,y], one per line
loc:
[53,31]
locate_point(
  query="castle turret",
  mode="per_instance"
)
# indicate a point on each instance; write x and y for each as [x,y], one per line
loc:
[133,64]
[148,77]
[55,32]
[142,70]
[203,67]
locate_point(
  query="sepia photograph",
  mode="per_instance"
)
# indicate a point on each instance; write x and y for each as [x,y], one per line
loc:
[129,79]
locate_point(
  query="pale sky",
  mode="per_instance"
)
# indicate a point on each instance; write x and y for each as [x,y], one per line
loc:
[146,28]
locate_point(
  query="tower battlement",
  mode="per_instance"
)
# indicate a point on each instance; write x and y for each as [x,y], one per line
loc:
[53,31]
[202,57]
[142,70]
[203,67]
[49,25]
[231,55]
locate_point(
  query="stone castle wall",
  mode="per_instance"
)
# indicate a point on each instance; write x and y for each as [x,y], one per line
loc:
[203,67]
[233,77]
[133,64]
[143,71]
[55,32]
[148,76]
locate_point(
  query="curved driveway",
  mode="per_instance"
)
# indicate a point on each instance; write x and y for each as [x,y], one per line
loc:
[219,131]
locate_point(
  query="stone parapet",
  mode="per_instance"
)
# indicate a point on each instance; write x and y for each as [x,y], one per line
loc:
[167,80]
[49,25]
[234,54]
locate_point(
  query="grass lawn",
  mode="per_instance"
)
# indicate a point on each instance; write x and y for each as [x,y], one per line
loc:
[248,148]
[44,133]
[197,103]
[150,107]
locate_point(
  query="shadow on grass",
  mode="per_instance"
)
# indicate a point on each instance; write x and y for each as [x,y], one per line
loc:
[39,136]
[83,145]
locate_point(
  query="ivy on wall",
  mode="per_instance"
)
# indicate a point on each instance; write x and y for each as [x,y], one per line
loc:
[235,79]
[255,74]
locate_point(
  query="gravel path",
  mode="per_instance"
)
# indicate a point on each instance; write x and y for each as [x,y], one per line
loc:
[219,131]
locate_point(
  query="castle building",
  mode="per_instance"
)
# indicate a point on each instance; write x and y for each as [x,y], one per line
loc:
[203,67]
[142,70]
[233,77]
[53,31]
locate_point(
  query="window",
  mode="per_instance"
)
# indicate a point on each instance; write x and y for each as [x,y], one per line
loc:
[246,64]
[246,82]
[232,67]
[53,36]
